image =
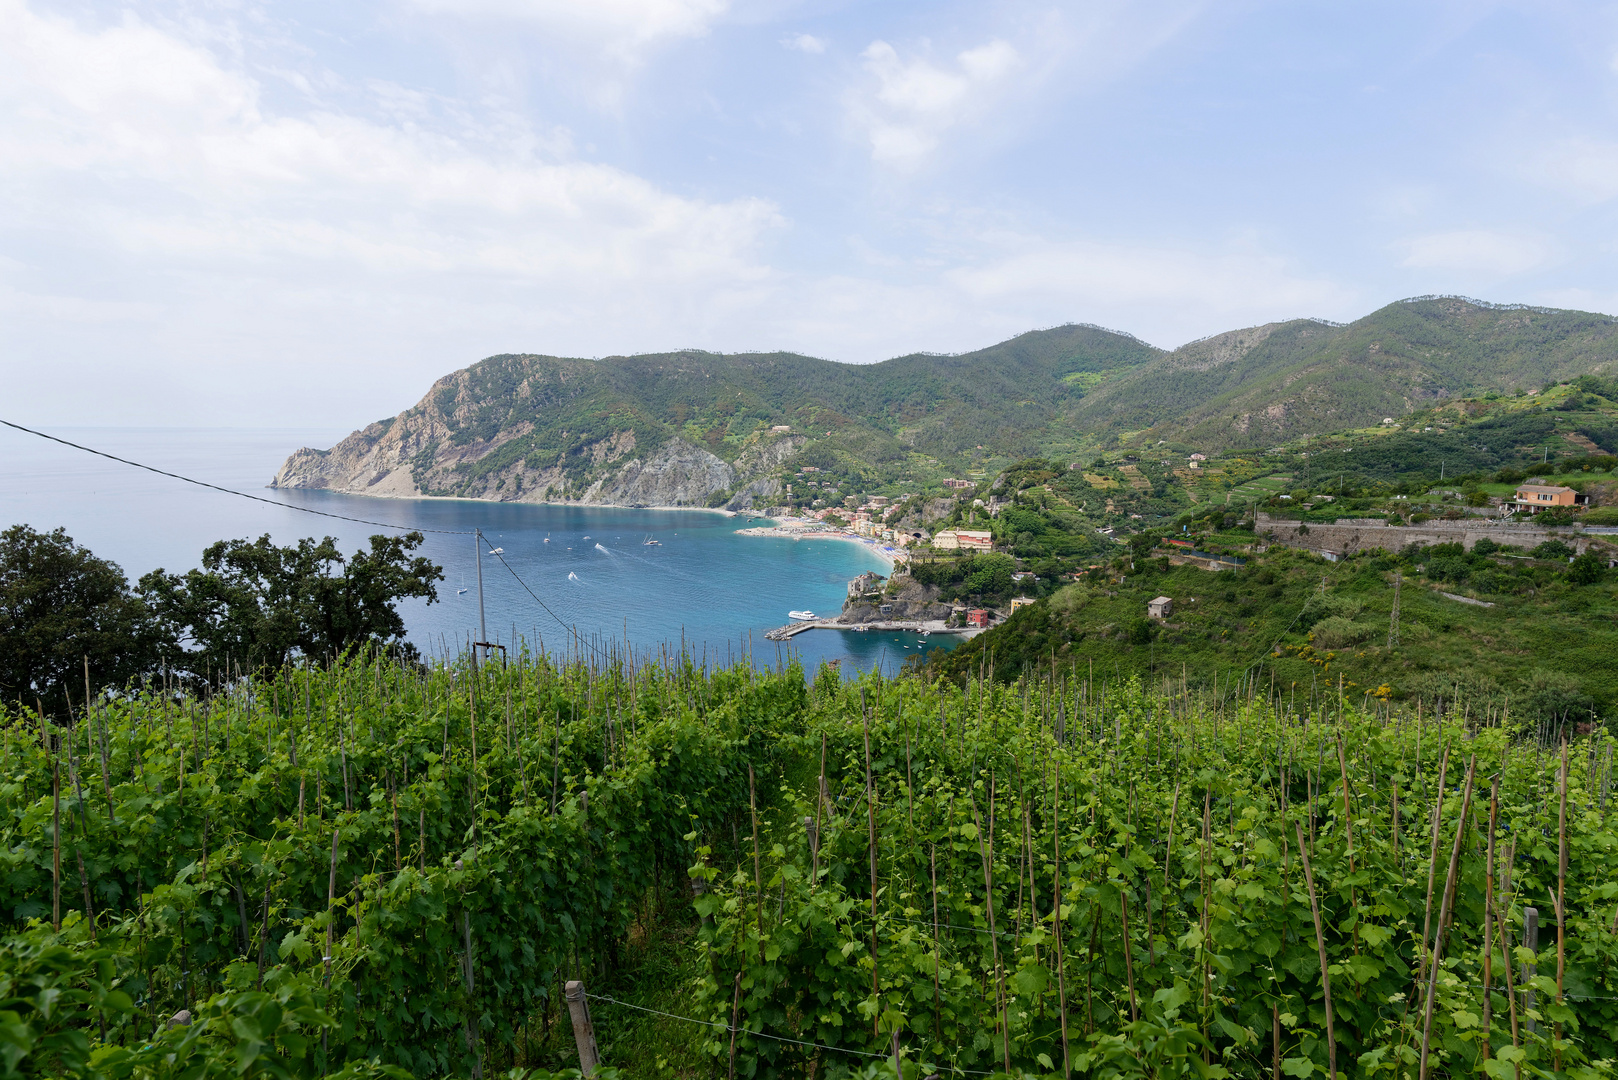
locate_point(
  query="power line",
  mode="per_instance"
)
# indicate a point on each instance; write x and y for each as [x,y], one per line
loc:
[230,491]
[574,630]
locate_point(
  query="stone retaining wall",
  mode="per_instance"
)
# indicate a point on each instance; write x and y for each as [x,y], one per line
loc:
[1350,535]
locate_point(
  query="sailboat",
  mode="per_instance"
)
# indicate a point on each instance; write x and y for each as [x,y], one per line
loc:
[651,542]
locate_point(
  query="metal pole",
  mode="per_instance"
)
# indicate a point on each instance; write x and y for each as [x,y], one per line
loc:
[477,543]
[583,1033]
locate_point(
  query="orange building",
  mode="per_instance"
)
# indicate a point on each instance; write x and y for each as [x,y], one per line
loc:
[1536,497]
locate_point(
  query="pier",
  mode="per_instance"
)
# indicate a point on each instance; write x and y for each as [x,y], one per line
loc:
[927,626]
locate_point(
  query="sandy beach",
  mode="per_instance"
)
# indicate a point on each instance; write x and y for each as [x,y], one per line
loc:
[789,531]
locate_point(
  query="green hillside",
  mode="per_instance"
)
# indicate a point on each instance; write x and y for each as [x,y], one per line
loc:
[1012,397]
[1271,383]
[526,427]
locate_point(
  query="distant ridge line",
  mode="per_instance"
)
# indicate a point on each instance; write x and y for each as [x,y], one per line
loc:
[1222,333]
[1538,309]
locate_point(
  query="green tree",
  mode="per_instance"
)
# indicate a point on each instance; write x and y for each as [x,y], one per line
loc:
[254,603]
[60,606]
[1587,569]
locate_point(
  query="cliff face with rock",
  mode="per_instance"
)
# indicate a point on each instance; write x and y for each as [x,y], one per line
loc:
[441,447]
[908,601]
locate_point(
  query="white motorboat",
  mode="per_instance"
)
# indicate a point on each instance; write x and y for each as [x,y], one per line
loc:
[801,616]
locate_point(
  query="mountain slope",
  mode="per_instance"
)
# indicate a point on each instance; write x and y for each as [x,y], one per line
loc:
[693,428]
[1270,383]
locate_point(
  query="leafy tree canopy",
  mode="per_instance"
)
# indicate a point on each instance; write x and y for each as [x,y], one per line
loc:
[254,603]
[60,608]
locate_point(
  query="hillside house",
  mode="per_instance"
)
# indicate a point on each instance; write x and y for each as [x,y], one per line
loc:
[977,617]
[1536,497]
[1160,608]
[953,483]
[1021,602]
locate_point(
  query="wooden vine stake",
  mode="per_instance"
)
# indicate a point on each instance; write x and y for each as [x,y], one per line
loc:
[1320,943]
[1056,915]
[1438,938]
[1561,897]
[584,1034]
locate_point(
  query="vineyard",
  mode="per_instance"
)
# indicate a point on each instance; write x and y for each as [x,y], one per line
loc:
[375,868]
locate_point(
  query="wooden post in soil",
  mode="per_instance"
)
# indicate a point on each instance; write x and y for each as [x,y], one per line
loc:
[1530,940]
[1320,944]
[1561,896]
[735,1015]
[1056,916]
[584,1034]
[56,841]
[1432,870]
[1129,963]
[758,878]
[1488,917]
[986,853]
[1438,939]
[870,802]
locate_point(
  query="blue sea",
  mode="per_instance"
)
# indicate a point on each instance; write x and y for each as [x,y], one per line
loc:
[592,573]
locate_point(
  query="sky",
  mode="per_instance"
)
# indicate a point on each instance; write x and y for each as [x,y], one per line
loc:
[268,214]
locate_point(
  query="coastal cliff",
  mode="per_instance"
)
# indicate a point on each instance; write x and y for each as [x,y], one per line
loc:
[445,446]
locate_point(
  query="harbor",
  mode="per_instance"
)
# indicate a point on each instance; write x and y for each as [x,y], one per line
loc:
[925,628]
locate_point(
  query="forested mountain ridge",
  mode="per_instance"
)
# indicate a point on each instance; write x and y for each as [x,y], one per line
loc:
[695,428]
[1271,383]
[690,428]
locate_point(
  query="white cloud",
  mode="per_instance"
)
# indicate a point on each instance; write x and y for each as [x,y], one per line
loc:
[141,164]
[623,26]
[1477,251]
[806,43]
[909,104]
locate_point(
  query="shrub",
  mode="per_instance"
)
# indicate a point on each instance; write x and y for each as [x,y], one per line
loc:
[1485,547]
[1449,568]
[1587,569]
[1335,632]
[1321,606]
[1552,549]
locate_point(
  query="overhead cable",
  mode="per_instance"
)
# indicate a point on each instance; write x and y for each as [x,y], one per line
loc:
[231,491]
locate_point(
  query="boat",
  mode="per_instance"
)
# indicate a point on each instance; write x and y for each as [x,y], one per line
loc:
[651,542]
[801,616]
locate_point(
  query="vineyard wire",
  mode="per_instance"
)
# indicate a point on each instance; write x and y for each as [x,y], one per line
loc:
[570,629]
[763,1035]
[231,491]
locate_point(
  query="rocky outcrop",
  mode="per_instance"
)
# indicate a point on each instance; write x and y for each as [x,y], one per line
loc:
[907,600]
[679,474]
[417,453]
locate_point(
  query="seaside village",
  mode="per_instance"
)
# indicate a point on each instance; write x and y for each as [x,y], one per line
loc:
[943,545]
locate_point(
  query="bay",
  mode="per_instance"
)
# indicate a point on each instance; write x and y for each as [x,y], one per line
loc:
[701,584]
